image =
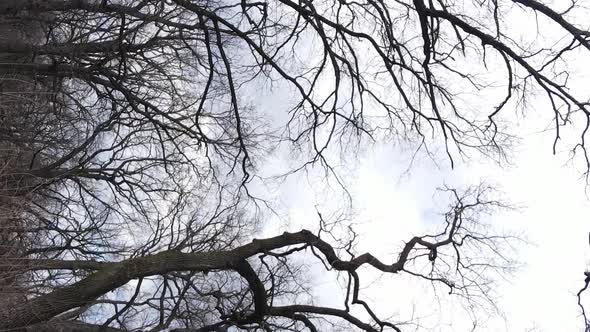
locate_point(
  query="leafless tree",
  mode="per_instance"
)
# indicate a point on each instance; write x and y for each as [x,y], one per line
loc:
[198,290]
[129,144]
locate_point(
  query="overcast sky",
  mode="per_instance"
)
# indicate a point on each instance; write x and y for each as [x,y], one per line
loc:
[391,204]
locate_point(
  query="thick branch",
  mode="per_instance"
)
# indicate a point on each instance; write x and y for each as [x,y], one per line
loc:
[113,275]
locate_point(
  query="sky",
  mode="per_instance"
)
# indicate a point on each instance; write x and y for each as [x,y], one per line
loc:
[393,201]
[392,205]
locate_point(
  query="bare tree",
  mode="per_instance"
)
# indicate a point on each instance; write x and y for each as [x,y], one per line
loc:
[199,290]
[128,149]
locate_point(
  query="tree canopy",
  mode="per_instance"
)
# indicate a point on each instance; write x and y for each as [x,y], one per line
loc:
[135,134]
